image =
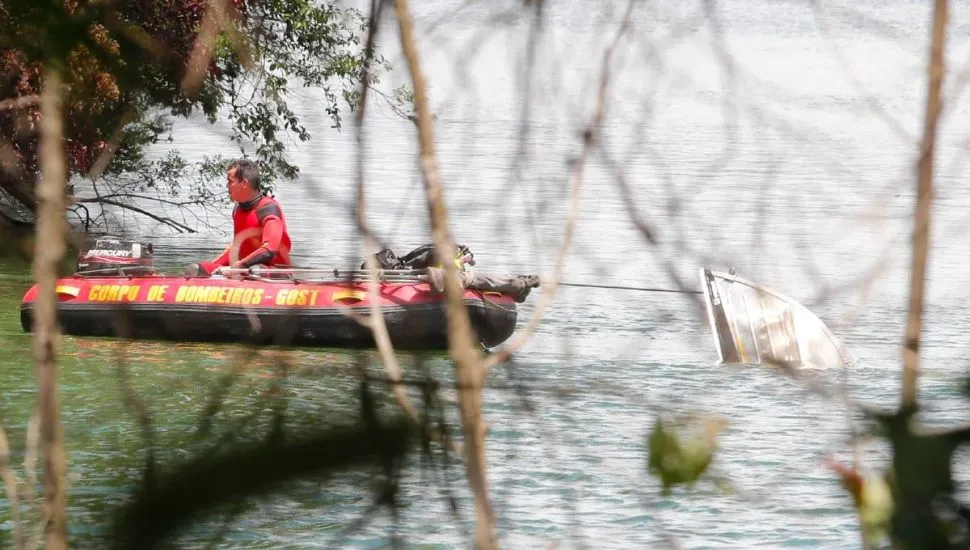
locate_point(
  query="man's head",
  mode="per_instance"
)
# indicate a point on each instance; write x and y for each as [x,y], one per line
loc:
[242,180]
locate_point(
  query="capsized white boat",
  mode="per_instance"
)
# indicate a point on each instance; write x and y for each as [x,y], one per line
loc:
[752,324]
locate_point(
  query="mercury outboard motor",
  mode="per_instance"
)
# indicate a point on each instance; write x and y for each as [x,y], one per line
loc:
[114,257]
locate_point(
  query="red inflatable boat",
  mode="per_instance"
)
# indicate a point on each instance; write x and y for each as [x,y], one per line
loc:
[254,308]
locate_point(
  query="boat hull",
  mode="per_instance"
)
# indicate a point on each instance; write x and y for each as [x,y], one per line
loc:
[281,313]
[753,324]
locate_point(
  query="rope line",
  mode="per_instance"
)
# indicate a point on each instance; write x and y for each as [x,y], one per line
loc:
[637,288]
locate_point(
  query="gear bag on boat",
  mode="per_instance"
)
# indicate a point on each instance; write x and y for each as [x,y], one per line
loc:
[422,257]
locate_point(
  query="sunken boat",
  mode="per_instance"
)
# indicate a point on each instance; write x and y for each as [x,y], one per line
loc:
[753,324]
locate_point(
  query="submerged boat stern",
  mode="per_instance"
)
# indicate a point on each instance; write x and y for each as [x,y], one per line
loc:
[756,325]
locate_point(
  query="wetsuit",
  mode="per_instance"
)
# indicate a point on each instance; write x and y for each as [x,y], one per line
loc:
[260,233]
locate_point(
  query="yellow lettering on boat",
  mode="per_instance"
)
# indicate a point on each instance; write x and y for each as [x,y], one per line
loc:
[293,297]
[113,293]
[156,293]
[218,295]
[180,293]
[235,296]
[215,293]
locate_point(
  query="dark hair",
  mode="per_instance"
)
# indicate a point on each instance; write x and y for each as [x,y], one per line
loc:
[248,170]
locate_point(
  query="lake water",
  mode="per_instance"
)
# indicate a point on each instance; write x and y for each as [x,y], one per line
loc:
[791,159]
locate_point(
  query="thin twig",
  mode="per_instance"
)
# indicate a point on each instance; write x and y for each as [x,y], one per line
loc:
[10,483]
[376,322]
[114,143]
[892,122]
[218,17]
[590,136]
[132,401]
[162,219]
[646,230]
[31,452]
[462,346]
[921,227]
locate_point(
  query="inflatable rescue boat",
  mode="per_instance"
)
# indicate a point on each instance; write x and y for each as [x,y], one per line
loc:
[115,292]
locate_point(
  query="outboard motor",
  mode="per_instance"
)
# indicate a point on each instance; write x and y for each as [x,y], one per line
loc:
[114,257]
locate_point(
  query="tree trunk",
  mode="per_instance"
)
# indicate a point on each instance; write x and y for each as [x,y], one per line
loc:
[48,253]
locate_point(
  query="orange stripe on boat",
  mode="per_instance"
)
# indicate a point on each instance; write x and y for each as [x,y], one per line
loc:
[345,294]
[69,290]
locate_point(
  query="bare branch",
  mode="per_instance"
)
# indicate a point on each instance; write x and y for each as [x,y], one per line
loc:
[376,322]
[590,136]
[113,145]
[158,199]
[218,18]
[10,482]
[167,221]
[468,360]
[921,227]
[892,122]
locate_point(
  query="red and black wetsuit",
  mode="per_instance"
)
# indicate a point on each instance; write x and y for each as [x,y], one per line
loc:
[260,233]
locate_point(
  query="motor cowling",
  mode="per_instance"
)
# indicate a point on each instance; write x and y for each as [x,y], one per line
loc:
[115,257]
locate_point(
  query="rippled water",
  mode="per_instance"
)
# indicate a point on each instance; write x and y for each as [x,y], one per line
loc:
[780,167]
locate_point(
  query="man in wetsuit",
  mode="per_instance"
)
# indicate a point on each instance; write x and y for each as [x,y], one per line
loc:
[259,228]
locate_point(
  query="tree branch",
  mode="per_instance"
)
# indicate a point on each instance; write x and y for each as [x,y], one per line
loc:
[462,347]
[924,197]
[178,204]
[167,221]
[49,250]
[10,482]
[376,322]
[590,136]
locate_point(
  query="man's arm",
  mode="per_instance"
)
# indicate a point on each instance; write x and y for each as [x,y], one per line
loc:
[223,259]
[208,268]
